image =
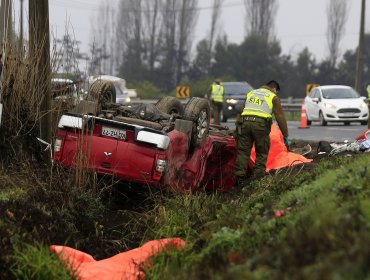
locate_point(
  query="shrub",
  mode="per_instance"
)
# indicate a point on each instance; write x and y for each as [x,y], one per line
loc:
[37,262]
[147,90]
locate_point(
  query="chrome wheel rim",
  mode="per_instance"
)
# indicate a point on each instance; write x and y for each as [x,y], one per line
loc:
[202,124]
[106,98]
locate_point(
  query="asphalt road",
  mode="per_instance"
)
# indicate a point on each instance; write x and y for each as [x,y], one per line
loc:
[333,132]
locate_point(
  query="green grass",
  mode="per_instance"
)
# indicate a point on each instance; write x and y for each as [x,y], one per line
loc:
[239,237]
[228,235]
[293,116]
[36,262]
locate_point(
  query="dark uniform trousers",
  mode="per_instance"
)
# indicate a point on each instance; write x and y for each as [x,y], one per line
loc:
[217,108]
[252,130]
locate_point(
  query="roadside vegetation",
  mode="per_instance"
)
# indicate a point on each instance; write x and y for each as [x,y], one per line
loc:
[322,231]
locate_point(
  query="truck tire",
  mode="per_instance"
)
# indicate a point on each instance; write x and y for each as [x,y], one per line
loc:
[170,105]
[104,92]
[198,111]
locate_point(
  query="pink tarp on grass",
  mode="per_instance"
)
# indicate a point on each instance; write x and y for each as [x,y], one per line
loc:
[125,265]
[279,156]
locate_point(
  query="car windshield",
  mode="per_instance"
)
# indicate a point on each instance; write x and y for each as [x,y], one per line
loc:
[60,87]
[120,88]
[237,88]
[339,93]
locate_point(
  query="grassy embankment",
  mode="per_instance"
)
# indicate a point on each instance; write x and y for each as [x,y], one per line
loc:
[323,234]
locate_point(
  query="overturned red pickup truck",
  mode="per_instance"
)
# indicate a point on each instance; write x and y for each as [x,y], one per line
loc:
[163,145]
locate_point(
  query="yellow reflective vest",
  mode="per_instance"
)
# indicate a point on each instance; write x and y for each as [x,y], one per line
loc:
[368,92]
[217,93]
[259,103]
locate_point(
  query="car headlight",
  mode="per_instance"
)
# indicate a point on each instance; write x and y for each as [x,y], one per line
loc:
[330,106]
[363,105]
[127,99]
[231,101]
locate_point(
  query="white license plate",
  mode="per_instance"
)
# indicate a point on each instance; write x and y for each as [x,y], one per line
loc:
[113,132]
[348,114]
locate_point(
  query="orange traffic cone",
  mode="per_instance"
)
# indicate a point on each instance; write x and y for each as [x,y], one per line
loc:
[303,117]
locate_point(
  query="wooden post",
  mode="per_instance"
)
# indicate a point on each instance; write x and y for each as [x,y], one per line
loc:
[39,48]
[6,14]
[21,29]
[360,52]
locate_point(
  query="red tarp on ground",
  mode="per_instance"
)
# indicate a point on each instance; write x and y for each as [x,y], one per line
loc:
[125,265]
[364,135]
[279,156]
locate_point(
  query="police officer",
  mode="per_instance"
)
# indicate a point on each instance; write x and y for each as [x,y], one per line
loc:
[255,126]
[216,93]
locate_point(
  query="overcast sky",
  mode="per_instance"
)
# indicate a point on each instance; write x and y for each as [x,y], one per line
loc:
[299,23]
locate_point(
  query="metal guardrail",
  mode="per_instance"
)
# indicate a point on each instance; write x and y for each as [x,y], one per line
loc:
[290,105]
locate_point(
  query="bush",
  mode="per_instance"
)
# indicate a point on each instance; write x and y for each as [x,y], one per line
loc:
[147,90]
[38,262]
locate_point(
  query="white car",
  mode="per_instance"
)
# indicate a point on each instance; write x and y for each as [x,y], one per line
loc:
[123,94]
[65,89]
[335,103]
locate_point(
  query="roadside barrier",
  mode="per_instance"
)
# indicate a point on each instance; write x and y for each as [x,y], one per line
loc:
[303,117]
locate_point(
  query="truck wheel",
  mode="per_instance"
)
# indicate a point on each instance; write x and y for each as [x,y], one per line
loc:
[170,105]
[198,111]
[102,91]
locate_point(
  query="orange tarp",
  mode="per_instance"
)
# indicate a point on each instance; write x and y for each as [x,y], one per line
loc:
[278,156]
[125,265]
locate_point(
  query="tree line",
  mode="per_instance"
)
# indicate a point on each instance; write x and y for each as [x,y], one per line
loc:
[149,42]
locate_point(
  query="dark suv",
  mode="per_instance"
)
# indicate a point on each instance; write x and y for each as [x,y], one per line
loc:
[234,97]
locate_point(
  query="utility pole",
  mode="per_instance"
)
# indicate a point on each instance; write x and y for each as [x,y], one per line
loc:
[21,29]
[360,51]
[6,22]
[2,17]
[39,48]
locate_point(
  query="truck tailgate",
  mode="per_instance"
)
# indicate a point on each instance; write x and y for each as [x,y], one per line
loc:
[109,147]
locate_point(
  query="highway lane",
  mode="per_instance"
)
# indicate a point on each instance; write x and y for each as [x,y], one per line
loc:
[333,132]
